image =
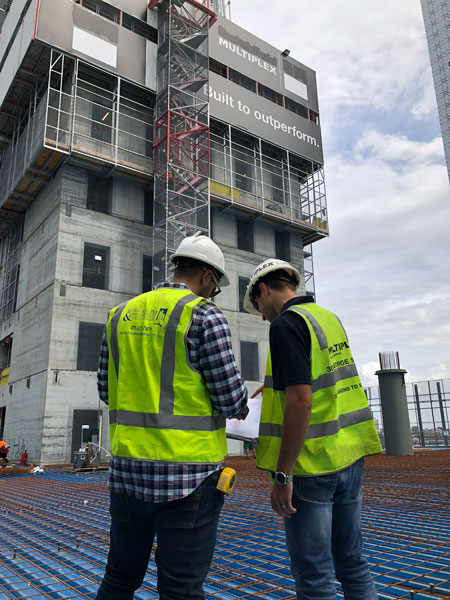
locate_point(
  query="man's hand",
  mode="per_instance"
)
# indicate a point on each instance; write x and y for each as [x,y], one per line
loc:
[241,416]
[258,391]
[297,414]
[281,499]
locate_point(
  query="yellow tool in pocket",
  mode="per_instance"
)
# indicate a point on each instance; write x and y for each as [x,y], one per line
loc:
[226,481]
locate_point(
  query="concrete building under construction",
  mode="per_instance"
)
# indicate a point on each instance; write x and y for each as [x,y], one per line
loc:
[124,127]
[436,16]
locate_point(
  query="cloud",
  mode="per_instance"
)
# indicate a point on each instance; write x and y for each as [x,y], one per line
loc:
[385,268]
[400,150]
[367,373]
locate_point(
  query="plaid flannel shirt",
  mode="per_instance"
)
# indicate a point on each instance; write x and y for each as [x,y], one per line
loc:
[209,347]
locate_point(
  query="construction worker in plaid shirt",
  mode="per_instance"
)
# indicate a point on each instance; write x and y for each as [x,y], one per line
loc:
[168,372]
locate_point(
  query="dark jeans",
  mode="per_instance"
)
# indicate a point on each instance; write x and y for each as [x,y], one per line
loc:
[325,532]
[186,531]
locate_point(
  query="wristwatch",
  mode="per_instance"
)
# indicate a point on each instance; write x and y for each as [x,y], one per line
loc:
[281,478]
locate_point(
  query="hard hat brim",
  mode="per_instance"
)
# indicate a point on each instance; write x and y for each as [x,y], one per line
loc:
[262,271]
[248,305]
[224,281]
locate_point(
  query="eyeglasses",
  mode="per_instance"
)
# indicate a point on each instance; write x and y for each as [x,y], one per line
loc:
[217,289]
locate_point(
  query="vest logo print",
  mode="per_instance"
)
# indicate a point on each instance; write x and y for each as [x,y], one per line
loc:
[161,317]
[338,347]
[156,316]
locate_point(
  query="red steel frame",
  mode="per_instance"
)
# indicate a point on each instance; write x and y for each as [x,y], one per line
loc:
[182,142]
[200,4]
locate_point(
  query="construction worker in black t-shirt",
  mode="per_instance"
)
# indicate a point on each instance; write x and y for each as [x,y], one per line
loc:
[315,429]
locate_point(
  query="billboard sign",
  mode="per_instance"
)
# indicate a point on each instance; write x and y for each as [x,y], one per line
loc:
[234,104]
[237,48]
[97,40]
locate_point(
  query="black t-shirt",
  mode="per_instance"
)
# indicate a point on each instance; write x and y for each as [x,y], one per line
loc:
[290,347]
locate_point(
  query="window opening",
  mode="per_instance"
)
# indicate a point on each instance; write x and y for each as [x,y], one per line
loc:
[249,361]
[2,420]
[99,194]
[95,266]
[90,337]
[245,235]
[314,117]
[282,245]
[296,108]
[218,68]
[139,27]
[148,206]
[147,273]
[269,94]
[243,80]
[5,352]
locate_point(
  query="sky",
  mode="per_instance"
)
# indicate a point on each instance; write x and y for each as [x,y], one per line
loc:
[385,268]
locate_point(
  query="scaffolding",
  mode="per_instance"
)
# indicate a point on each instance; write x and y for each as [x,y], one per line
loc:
[264,179]
[182,150]
[10,271]
[80,111]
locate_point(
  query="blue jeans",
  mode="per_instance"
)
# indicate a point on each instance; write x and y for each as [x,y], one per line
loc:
[186,531]
[325,531]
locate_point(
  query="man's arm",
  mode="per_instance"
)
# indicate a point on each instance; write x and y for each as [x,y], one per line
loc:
[218,365]
[102,373]
[297,414]
[290,345]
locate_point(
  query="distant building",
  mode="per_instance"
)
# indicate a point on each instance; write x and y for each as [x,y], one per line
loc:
[124,129]
[436,15]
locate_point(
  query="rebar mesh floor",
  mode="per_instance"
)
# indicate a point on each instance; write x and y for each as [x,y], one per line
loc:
[54,534]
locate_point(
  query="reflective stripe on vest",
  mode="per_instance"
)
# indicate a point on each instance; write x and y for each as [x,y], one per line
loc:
[325,380]
[162,421]
[165,419]
[322,429]
[321,338]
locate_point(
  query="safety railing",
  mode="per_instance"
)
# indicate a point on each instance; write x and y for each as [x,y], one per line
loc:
[428,408]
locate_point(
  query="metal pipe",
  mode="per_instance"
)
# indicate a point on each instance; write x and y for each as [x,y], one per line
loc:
[394,406]
[419,415]
[441,408]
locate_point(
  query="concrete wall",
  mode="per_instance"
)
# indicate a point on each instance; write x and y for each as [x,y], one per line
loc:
[31,323]
[20,45]
[47,387]
[128,239]
[68,391]
[25,416]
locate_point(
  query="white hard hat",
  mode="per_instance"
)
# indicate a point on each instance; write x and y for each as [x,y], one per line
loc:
[200,247]
[263,269]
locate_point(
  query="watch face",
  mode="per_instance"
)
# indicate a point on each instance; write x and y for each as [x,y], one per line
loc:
[280,478]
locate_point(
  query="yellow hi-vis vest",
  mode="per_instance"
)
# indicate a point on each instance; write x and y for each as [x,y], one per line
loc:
[341,428]
[159,406]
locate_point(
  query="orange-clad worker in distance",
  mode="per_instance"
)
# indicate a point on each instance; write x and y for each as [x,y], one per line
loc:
[4,449]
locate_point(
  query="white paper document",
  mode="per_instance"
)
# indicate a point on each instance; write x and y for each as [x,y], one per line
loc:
[248,429]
